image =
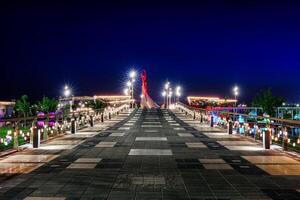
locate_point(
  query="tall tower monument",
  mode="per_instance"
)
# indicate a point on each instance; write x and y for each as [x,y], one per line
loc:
[146,101]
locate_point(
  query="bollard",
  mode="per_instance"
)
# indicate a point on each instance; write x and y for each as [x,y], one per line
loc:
[285,143]
[201,118]
[102,117]
[186,113]
[16,141]
[73,126]
[45,132]
[212,121]
[109,115]
[59,129]
[230,127]
[246,129]
[91,120]
[267,139]
[36,137]
[194,115]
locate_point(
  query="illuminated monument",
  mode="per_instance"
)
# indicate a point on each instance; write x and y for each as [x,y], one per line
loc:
[146,101]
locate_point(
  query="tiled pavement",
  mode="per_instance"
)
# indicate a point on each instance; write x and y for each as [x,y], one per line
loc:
[153,154]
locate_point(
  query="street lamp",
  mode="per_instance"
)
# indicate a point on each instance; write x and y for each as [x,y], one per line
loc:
[170,96]
[166,91]
[164,95]
[178,93]
[132,75]
[67,93]
[236,93]
[126,91]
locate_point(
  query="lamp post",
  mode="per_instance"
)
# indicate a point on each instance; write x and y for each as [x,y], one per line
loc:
[167,87]
[164,94]
[170,96]
[178,93]
[132,75]
[236,93]
[67,93]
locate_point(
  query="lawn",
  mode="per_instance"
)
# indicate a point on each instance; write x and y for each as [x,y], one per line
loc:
[3,132]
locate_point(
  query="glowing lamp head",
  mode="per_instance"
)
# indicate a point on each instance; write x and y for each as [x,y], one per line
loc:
[132,74]
[236,91]
[129,83]
[164,93]
[167,85]
[126,91]
[178,91]
[67,92]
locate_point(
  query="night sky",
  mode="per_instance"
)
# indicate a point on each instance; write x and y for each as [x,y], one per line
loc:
[205,47]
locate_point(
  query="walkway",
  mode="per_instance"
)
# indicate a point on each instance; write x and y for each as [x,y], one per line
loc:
[150,155]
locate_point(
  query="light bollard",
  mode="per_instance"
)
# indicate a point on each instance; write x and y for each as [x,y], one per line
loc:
[91,120]
[73,126]
[194,116]
[36,137]
[212,121]
[201,118]
[109,115]
[16,142]
[267,139]
[102,117]
[285,141]
[230,127]
[45,131]
[246,129]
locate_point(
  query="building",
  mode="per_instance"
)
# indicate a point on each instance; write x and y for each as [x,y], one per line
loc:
[6,108]
[205,102]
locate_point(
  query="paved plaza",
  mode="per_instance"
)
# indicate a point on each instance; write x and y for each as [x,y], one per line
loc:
[150,154]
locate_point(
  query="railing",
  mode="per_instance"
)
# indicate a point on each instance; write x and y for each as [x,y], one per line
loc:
[266,129]
[17,131]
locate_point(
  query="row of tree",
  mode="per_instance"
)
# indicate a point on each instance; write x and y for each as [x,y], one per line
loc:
[267,101]
[23,108]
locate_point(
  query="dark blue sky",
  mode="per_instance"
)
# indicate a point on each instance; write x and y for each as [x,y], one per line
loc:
[207,47]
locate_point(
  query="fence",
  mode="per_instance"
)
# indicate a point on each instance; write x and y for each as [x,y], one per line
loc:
[16,131]
[266,129]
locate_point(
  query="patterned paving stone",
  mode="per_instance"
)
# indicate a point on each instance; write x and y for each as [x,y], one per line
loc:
[151,126]
[217,166]
[195,145]
[271,160]
[150,152]
[142,164]
[185,135]
[150,139]
[88,160]
[211,161]
[117,134]
[106,144]
[82,166]
[29,158]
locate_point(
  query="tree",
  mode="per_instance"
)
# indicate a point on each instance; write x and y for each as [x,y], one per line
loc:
[47,105]
[22,106]
[97,105]
[267,101]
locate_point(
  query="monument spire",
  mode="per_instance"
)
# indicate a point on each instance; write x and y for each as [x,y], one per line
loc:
[146,101]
